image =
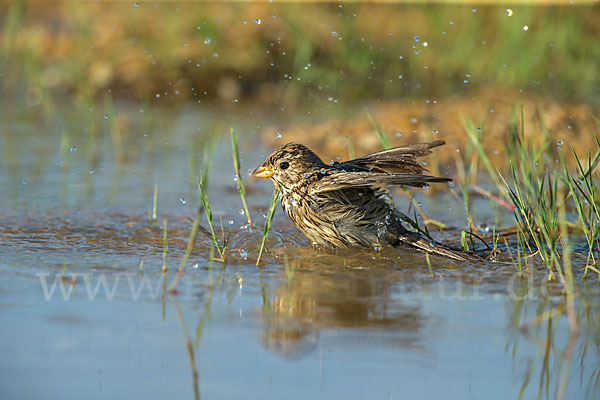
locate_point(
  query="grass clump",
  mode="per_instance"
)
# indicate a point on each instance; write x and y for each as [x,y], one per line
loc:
[552,206]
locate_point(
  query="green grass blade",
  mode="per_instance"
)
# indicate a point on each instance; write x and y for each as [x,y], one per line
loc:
[272,208]
[385,143]
[240,182]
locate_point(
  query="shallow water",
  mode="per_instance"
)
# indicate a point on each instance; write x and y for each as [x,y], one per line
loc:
[78,315]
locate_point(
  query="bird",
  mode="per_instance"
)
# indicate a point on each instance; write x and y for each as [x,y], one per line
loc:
[347,204]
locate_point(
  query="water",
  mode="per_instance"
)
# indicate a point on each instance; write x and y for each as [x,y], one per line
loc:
[78,316]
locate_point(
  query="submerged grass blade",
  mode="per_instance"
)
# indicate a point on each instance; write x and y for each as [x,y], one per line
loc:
[240,182]
[188,250]
[165,246]
[272,208]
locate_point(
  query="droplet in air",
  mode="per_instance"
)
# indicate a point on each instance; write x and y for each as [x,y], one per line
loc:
[257,21]
[73,149]
[509,12]
[278,135]
[106,117]
[525,28]
[182,200]
[207,40]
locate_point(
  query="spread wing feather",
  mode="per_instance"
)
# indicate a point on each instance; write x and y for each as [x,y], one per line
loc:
[399,160]
[344,180]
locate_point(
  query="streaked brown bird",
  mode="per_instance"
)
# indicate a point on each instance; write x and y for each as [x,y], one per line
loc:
[345,204]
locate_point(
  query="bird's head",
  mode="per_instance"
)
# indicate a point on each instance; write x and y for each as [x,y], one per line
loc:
[290,165]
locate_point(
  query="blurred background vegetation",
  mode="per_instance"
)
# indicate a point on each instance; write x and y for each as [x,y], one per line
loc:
[424,70]
[296,52]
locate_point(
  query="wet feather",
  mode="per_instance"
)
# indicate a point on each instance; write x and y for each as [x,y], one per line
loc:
[344,205]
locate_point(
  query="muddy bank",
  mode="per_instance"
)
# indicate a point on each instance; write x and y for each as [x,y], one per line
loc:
[490,113]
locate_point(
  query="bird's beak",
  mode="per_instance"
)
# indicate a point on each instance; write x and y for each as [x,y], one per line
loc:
[262,172]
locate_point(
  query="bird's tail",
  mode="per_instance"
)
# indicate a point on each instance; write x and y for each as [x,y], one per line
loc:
[420,243]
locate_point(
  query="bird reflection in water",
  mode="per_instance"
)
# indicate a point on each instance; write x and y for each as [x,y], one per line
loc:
[359,301]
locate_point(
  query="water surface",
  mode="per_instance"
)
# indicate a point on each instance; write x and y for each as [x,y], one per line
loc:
[78,315]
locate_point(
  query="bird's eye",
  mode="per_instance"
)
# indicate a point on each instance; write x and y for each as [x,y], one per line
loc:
[284,165]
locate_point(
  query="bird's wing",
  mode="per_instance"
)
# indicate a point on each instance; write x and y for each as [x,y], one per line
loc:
[399,160]
[345,180]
